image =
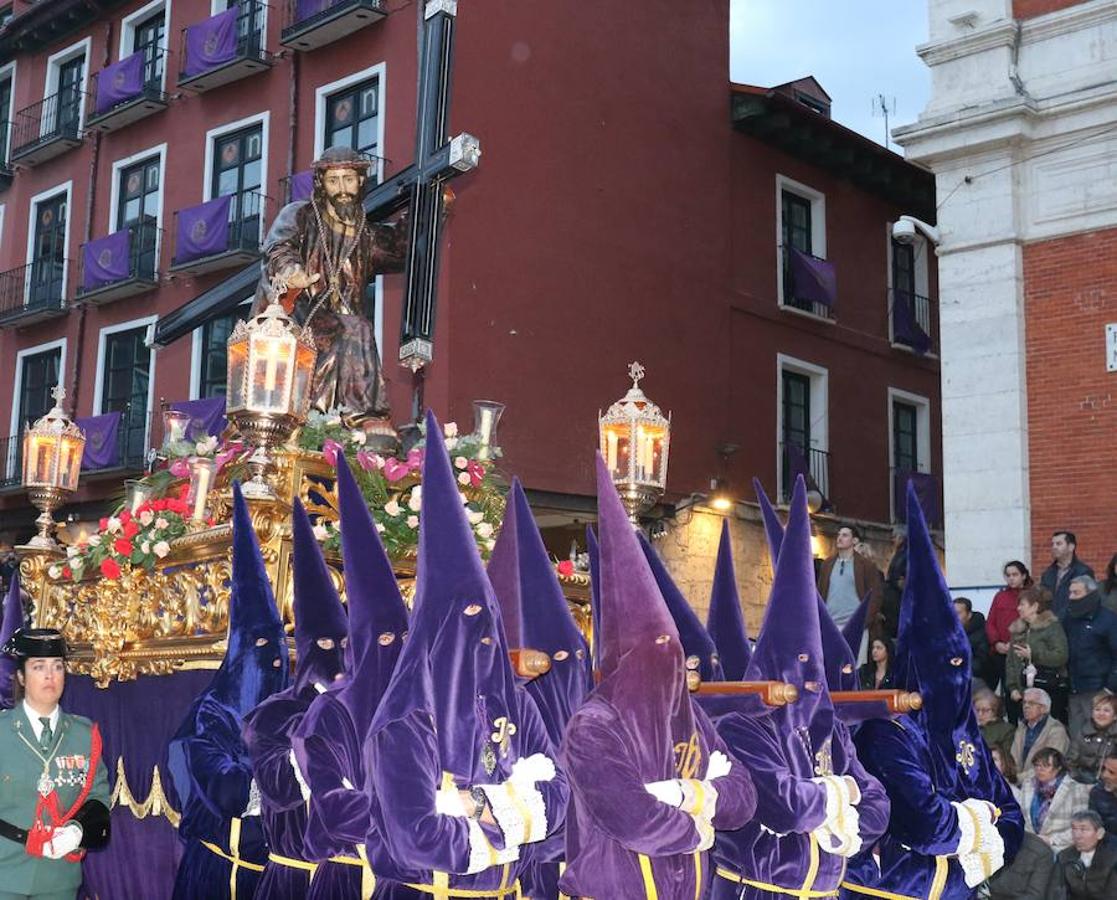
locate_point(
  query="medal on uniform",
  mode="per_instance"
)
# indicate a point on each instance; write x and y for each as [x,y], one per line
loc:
[46,784]
[488,758]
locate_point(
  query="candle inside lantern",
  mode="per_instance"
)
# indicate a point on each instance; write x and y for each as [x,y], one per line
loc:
[611,443]
[202,471]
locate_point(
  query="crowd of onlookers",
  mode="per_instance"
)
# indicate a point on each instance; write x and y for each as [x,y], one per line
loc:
[1045,696]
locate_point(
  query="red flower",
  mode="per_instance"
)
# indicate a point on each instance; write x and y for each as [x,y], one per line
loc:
[110,569]
[131,529]
[159,505]
[66,572]
[103,524]
[123,546]
[565,568]
[125,517]
[183,491]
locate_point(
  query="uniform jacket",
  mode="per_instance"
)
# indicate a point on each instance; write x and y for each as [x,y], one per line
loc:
[1053,734]
[1070,797]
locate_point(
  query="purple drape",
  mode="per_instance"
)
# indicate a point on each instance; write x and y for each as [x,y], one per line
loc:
[120,82]
[304,9]
[926,489]
[302,185]
[905,325]
[207,416]
[203,230]
[106,260]
[813,279]
[137,719]
[211,43]
[102,441]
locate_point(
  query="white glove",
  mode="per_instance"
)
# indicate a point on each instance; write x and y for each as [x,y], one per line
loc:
[705,834]
[840,831]
[532,769]
[718,766]
[448,802]
[669,791]
[253,807]
[304,788]
[63,841]
[981,849]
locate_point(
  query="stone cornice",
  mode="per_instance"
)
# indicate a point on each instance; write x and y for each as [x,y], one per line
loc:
[1001,33]
[1073,18]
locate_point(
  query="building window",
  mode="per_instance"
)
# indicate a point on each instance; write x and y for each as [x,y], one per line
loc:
[250,24]
[238,170]
[5,15]
[802,427]
[909,425]
[70,76]
[38,376]
[796,432]
[125,382]
[5,116]
[148,38]
[905,436]
[801,225]
[213,352]
[48,251]
[138,203]
[908,279]
[352,118]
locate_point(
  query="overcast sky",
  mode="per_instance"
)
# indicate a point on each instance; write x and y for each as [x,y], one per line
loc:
[856,49]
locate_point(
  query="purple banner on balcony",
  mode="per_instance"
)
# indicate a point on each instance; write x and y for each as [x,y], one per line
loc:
[304,9]
[120,82]
[926,490]
[207,416]
[203,230]
[813,279]
[102,440]
[211,43]
[106,260]
[905,324]
[302,185]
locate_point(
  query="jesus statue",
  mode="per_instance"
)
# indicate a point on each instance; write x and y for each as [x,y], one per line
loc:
[320,255]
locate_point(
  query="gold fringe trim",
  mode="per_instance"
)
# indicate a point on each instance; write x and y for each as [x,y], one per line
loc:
[156,803]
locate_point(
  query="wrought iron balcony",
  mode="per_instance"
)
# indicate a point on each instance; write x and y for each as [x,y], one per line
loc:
[913,322]
[117,443]
[127,91]
[809,283]
[220,234]
[33,293]
[224,48]
[121,264]
[48,128]
[810,462]
[311,24]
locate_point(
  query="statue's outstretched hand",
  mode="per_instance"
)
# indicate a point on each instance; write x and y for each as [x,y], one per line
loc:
[299,280]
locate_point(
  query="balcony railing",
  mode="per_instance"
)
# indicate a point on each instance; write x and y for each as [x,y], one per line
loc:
[809,283]
[121,264]
[224,48]
[310,24]
[914,321]
[45,129]
[33,292]
[219,234]
[127,91]
[810,462]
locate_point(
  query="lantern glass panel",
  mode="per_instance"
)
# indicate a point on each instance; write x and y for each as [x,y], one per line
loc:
[236,387]
[70,470]
[271,359]
[304,372]
[41,450]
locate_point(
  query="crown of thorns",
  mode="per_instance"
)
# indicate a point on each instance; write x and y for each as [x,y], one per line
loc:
[343,158]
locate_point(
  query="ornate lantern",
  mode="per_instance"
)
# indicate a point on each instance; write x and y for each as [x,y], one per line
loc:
[271,363]
[635,440]
[486,416]
[52,451]
[202,472]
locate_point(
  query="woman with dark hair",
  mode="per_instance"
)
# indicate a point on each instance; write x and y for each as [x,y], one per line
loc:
[1038,653]
[1051,797]
[1107,590]
[876,674]
[1002,613]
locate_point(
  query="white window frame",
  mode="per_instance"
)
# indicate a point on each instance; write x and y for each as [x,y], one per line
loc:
[262,119]
[114,193]
[67,187]
[8,70]
[922,279]
[98,386]
[128,33]
[820,407]
[923,437]
[196,354]
[817,199]
[322,93]
[220,6]
[17,389]
[55,61]
[3,209]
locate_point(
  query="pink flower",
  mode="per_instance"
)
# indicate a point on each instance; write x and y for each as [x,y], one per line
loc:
[565,568]
[180,468]
[476,473]
[394,470]
[330,449]
[370,462]
[415,458]
[231,451]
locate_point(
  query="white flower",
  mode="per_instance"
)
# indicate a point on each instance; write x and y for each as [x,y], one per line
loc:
[206,445]
[333,420]
[392,508]
[113,525]
[95,540]
[489,545]
[415,501]
[162,548]
[161,523]
[379,527]
[358,437]
[55,571]
[147,517]
[475,516]
[450,429]
[451,443]
[465,499]
[412,521]
[461,462]
[72,551]
[485,530]
[145,548]
[76,567]
[319,532]
[463,478]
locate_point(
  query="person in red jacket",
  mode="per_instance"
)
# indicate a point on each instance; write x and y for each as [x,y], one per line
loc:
[1002,614]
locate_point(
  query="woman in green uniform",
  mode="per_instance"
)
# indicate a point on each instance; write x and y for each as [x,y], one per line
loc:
[54,795]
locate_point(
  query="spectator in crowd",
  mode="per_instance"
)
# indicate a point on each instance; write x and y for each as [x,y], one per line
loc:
[1107,590]
[1103,795]
[1097,740]
[1028,877]
[1002,613]
[1038,730]
[846,578]
[876,674]
[996,731]
[1051,798]
[894,580]
[1038,653]
[974,625]
[1063,570]
[1007,767]
[1087,868]
[1092,647]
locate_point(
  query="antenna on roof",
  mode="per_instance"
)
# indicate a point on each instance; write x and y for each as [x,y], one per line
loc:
[884,106]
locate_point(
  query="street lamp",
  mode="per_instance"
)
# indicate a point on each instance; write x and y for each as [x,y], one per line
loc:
[635,440]
[52,451]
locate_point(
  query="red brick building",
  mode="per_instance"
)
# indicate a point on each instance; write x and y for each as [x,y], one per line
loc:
[630,204]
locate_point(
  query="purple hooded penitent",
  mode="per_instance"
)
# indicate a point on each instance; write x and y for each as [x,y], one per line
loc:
[795,750]
[454,718]
[329,742]
[934,760]
[639,727]
[207,758]
[10,623]
[593,551]
[320,635]
[698,646]
[725,622]
[504,571]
